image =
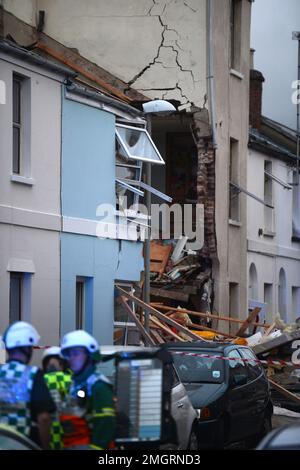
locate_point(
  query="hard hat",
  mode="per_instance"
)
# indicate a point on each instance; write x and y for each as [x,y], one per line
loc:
[20,334]
[79,338]
[52,351]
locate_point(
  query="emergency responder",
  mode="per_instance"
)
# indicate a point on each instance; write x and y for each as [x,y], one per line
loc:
[58,380]
[25,401]
[88,416]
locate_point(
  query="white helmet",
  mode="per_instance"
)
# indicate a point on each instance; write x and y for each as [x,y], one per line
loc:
[79,338]
[52,351]
[20,334]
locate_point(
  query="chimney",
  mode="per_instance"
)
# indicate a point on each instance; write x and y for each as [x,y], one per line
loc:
[255,98]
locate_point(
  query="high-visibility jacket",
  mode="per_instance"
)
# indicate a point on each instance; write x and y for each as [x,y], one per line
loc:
[16,382]
[58,383]
[88,415]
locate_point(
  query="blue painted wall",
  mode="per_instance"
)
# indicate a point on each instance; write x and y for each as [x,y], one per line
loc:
[88,159]
[88,179]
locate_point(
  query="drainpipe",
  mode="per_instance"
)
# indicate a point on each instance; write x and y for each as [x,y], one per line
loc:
[210,69]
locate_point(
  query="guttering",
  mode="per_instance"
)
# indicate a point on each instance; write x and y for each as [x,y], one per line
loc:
[76,89]
[29,56]
[210,70]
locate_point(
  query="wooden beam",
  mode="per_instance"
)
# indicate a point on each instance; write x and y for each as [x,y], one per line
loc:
[248,321]
[165,328]
[82,70]
[205,315]
[268,330]
[156,336]
[284,391]
[141,328]
[158,314]
[170,294]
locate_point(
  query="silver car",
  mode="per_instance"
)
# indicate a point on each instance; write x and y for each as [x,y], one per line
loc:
[182,410]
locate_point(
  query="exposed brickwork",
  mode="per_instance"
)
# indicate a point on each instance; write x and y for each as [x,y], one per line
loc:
[255,99]
[206,188]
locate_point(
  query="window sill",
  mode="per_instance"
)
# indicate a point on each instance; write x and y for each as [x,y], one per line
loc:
[269,233]
[234,223]
[236,74]
[22,180]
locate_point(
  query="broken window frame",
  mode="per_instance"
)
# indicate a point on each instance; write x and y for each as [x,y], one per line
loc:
[126,150]
[136,164]
[149,188]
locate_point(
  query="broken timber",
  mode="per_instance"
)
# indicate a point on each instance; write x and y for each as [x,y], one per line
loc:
[248,321]
[284,391]
[140,327]
[204,315]
[158,314]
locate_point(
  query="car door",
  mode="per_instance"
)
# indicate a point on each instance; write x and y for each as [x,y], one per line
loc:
[258,390]
[238,397]
[182,411]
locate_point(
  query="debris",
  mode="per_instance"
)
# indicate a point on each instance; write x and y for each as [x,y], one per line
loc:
[285,392]
[251,318]
[179,248]
[159,257]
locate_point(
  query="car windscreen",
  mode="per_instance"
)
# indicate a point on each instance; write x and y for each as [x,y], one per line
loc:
[195,369]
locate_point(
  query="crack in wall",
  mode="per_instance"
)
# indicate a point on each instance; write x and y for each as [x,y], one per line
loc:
[162,45]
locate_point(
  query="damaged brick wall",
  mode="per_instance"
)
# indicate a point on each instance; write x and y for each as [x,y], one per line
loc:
[206,182]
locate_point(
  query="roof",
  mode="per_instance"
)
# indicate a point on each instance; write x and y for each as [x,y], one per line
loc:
[260,141]
[25,54]
[280,128]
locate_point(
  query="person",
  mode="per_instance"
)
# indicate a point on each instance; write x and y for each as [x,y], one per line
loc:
[88,415]
[25,401]
[58,380]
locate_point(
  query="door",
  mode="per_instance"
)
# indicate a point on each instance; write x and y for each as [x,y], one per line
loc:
[258,390]
[238,398]
[181,411]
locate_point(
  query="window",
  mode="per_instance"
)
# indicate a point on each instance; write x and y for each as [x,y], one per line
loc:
[2,92]
[79,303]
[15,297]
[296,206]
[234,202]
[268,300]
[175,378]
[235,33]
[133,147]
[282,295]
[296,302]
[17,123]
[233,303]
[196,369]
[20,296]
[268,198]
[21,125]
[253,282]
[253,367]
[84,303]
[236,365]
[136,144]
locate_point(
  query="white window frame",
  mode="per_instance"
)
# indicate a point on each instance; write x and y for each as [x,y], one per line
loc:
[24,174]
[125,148]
